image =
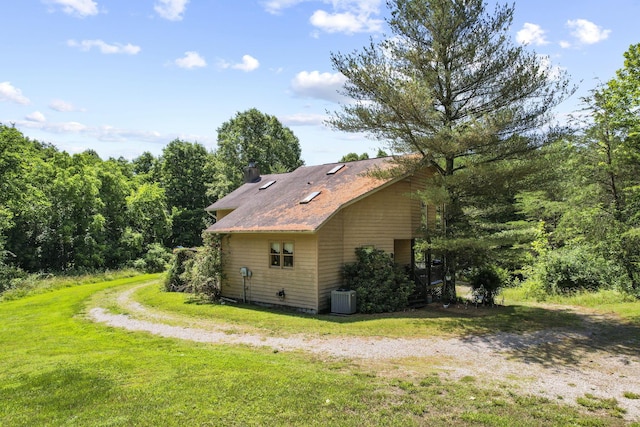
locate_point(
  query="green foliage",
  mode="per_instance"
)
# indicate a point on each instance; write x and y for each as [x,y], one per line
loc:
[184,174]
[611,156]
[569,270]
[61,212]
[147,209]
[197,270]
[380,284]
[252,136]
[24,285]
[10,277]
[186,224]
[204,271]
[352,157]
[478,127]
[146,167]
[631,395]
[176,281]
[488,280]
[531,289]
[155,260]
[185,170]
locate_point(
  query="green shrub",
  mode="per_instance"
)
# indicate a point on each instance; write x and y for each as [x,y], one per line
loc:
[157,258]
[176,280]
[533,289]
[197,271]
[9,276]
[203,271]
[568,270]
[380,284]
[488,280]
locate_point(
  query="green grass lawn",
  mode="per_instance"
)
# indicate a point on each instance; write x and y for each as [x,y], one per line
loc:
[60,369]
[610,301]
[426,322]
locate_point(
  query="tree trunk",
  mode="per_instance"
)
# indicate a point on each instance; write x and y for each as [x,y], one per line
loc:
[450,213]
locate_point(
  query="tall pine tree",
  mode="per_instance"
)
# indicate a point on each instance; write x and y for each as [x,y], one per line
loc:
[449,85]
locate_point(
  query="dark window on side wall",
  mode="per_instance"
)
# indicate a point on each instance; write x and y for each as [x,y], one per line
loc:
[281,254]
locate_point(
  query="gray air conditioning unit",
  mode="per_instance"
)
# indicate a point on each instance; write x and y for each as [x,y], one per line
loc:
[343,302]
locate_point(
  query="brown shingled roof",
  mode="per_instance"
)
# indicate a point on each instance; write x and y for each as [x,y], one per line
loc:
[278,208]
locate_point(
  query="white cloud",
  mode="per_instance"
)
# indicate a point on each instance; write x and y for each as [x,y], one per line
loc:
[103,133]
[104,47]
[78,8]
[67,127]
[112,134]
[276,6]
[36,116]
[249,63]
[319,85]
[531,34]
[191,60]
[587,32]
[343,16]
[345,22]
[55,127]
[75,137]
[10,93]
[62,106]
[171,10]
[302,119]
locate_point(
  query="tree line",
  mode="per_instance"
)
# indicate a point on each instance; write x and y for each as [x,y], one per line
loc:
[77,212]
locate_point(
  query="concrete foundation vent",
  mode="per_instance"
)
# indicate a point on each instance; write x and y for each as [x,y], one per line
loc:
[343,302]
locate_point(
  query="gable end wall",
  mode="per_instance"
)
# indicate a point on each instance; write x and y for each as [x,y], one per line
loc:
[377,220]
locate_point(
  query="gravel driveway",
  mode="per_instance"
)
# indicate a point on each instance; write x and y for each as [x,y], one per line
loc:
[598,358]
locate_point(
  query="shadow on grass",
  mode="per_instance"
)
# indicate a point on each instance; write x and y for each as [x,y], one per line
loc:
[65,389]
[457,319]
[569,344]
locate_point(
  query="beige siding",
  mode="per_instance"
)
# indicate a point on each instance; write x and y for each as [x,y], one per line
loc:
[418,183]
[330,260]
[222,213]
[379,219]
[420,213]
[252,251]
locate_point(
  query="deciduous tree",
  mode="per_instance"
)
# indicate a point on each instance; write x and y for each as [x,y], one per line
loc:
[185,171]
[252,136]
[611,154]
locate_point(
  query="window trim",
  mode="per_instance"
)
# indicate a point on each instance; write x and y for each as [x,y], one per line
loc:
[281,255]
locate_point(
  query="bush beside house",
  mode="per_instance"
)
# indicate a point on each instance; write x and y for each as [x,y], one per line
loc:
[380,284]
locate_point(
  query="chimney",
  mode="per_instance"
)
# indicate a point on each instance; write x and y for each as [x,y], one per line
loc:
[251,172]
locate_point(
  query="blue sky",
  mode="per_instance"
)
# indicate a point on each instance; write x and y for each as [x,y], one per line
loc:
[126,76]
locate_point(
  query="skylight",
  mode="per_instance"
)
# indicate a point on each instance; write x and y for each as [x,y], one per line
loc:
[267,185]
[309,198]
[335,169]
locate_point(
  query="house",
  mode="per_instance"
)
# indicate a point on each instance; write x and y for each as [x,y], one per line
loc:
[287,236]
